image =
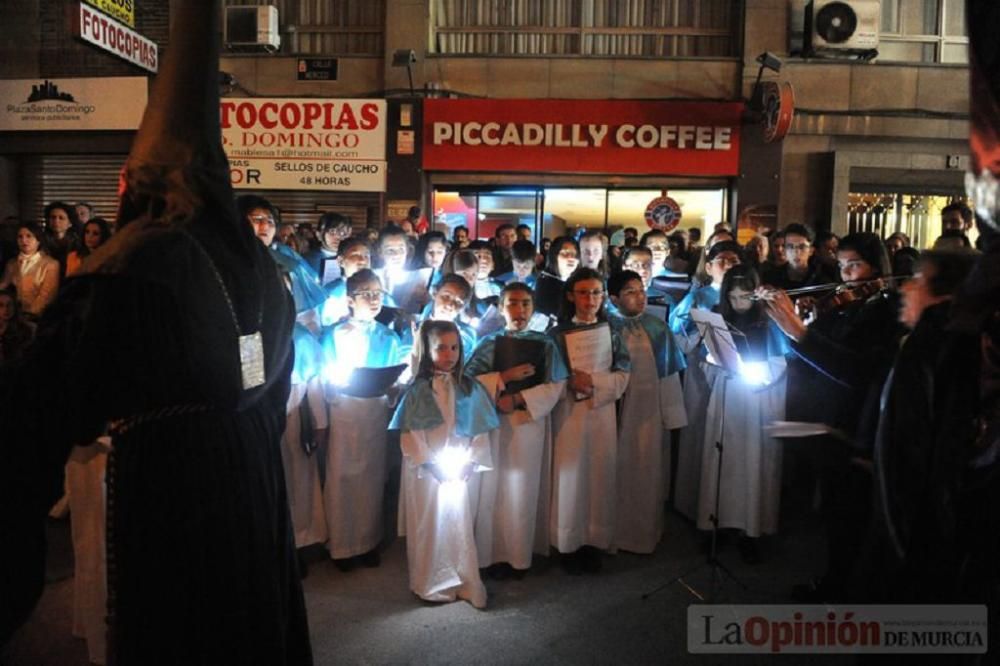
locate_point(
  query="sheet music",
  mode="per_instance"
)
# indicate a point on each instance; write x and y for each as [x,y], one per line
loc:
[330,270]
[714,331]
[589,349]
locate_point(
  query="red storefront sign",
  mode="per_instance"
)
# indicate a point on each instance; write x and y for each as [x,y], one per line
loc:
[583,136]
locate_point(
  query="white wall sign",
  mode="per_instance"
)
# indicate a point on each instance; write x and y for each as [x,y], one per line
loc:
[305,144]
[106,33]
[110,103]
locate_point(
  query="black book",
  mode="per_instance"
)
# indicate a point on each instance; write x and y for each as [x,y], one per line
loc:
[549,296]
[511,351]
[372,382]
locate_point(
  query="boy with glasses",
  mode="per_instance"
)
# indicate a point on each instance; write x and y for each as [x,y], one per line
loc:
[356,454]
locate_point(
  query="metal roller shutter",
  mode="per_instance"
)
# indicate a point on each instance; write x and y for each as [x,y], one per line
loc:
[70,178]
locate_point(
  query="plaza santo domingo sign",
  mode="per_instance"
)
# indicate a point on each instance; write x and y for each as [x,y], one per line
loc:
[305,144]
[583,136]
[111,103]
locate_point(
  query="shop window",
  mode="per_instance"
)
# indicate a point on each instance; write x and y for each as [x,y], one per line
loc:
[614,28]
[924,31]
[329,27]
[552,212]
[916,215]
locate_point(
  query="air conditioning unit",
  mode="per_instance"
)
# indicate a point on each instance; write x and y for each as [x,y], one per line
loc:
[251,28]
[843,25]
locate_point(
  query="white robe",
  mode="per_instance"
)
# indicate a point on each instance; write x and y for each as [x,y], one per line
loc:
[85,487]
[512,520]
[698,380]
[651,407]
[584,466]
[302,480]
[355,474]
[437,518]
[751,461]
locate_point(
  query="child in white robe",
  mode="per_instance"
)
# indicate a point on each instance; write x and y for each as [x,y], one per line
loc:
[356,456]
[739,408]
[652,406]
[512,519]
[584,455]
[305,427]
[444,420]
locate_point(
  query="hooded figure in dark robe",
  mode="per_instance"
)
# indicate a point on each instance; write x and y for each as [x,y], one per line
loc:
[177,337]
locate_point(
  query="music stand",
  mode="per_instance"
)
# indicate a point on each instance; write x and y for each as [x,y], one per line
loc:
[718,339]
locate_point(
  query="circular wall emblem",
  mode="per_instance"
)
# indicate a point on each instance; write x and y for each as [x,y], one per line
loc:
[779,107]
[663,214]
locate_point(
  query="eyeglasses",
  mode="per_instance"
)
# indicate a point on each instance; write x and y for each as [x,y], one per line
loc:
[262,219]
[372,296]
[448,299]
[597,293]
[656,247]
[340,232]
[393,251]
[797,247]
[723,260]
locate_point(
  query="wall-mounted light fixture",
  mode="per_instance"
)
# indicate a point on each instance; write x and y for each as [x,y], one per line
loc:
[405,58]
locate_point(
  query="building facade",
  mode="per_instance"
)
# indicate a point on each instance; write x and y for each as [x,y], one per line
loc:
[874,144]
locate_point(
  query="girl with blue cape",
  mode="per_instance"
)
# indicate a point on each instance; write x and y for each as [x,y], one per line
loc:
[305,429]
[699,375]
[356,455]
[444,421]
[739,409]
[584,454]
[652,406]
[513,517]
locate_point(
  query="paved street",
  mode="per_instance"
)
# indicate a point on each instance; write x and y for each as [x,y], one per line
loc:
[368,616]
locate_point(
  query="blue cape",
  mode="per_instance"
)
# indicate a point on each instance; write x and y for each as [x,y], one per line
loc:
[474,411]
[306,290]
[482,360]
[701,298]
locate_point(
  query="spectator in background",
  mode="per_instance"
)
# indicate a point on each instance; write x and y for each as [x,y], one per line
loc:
[776,258]
[756,252]
[33,273]
[409,230]
[15,332]
[417,221]
[371,233]
[956,217]
[543,253]
[95,233]
[460,237]
[62,228]
[801,268]
[825,245]
[84,212]
[307,236]
[524,232]
[896,242]
[678,259]
[504,238]
[694,239]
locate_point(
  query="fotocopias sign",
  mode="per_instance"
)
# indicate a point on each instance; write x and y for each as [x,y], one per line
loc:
[583,136]
[305,144]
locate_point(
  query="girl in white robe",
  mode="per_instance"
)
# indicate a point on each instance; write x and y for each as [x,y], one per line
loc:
[584,455]
[356,455]
[513,515]
[444,421]
[652,406]
[699,376]
[738,410]
[305,425]
[88,516]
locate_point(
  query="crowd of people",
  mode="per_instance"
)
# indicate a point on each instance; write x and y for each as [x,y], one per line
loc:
[513,447]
